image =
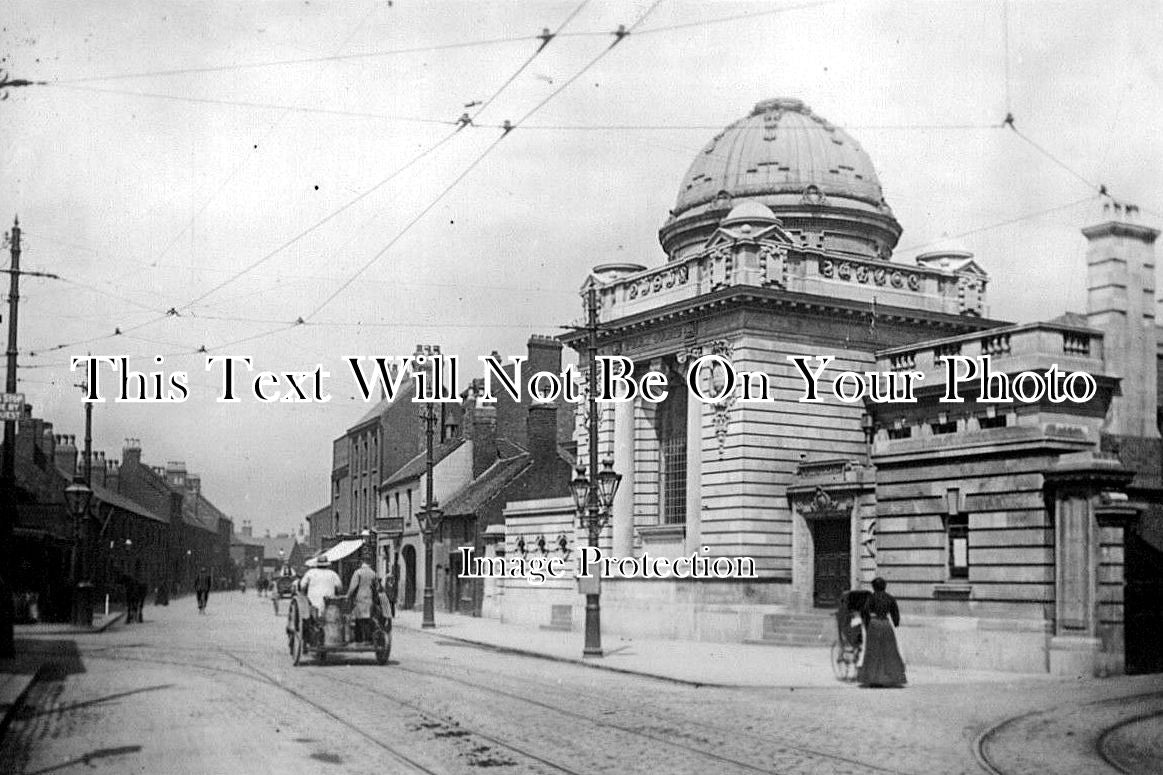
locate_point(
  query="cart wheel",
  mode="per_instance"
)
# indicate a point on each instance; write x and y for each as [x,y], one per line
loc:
[383,641]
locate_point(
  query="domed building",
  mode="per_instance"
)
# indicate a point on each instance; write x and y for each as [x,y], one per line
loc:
[814,176]
[985,517]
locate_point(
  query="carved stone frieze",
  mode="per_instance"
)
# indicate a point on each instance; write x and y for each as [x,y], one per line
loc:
[897,277]
[821,505]
[665,278]
[773,265]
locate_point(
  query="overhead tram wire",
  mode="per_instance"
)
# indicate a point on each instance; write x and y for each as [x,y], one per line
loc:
[247,158]
[363,195]
[998,225]
[426,49]
[544,42]
[457,127]
[301,61]
[718,127]
[546,38]
[736,17]
[261,105]
[1098,187]
[620,34]
[189,305]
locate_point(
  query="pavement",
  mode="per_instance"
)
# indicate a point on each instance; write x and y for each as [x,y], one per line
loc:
[694,663]
[17,675]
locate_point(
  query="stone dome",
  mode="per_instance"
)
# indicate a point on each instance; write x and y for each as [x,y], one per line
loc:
[812,175]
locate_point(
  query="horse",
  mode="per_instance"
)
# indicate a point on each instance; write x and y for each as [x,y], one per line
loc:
[135,592]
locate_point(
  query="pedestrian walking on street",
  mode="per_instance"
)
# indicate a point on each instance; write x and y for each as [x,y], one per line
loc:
[882,664]
[361,588]
[202,584]
[392,586]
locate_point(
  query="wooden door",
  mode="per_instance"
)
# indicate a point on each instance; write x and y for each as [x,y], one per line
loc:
[833,557]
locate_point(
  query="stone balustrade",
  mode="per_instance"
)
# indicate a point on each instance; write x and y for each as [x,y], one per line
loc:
[628,289]
[1031,346]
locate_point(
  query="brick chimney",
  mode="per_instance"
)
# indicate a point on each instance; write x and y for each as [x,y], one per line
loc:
[99,470]
[65,456]
[175,473]
[131,452]
[483,435]
[48,441]
[194,483]
[544,355]
[112,475]
[28,430]
[247,530]
[541,432]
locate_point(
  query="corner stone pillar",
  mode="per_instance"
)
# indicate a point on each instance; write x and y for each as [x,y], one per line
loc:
[1077,484]
[694,474]
[622,515]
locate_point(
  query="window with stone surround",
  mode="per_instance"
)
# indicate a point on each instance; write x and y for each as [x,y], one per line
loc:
[672,443]
[957,536]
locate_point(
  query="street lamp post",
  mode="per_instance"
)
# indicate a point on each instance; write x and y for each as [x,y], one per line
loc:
[77,497]
[593,499]
[430,519]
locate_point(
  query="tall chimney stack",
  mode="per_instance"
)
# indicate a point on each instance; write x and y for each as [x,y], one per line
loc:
[1120,263]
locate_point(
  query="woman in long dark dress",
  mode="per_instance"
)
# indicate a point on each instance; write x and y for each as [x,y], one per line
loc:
[882,664]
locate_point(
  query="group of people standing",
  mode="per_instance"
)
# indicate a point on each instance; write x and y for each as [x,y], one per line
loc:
[321,582]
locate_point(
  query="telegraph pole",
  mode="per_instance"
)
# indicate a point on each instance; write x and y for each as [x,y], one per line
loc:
[12,408]
[8,465]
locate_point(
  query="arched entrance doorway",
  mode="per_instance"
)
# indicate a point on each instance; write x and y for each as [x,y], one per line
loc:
[409,555]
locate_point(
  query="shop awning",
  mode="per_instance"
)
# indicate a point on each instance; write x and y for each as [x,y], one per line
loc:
[337,552]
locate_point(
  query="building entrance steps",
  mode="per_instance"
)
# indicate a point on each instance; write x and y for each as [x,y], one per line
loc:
[815,628]
[695,663]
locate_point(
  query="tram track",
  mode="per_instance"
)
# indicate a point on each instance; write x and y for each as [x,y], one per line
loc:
[255,674]
[729,732]
[717,758]
[987,739]
[1105,750]
[719,761]
[415,707]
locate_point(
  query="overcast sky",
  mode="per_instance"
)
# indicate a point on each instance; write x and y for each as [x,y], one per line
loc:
[148,189]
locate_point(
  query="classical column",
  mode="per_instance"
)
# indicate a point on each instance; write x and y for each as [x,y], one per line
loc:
[622,515]
[694,473]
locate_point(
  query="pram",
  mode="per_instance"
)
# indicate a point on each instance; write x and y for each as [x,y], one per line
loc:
[849,643]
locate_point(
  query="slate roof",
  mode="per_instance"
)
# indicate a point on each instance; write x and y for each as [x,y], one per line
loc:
[272,544]
[125,504]
[416,467]
[488,485]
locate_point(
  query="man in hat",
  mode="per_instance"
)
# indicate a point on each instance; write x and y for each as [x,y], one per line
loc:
[361,590]
[320,583]
[202,584]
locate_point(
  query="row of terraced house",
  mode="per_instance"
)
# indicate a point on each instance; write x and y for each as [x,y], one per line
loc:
[148,523]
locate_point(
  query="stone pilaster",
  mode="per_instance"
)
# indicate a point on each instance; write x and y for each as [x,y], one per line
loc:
[1076,486]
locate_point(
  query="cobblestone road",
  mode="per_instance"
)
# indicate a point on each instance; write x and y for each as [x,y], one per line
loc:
[218,694]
